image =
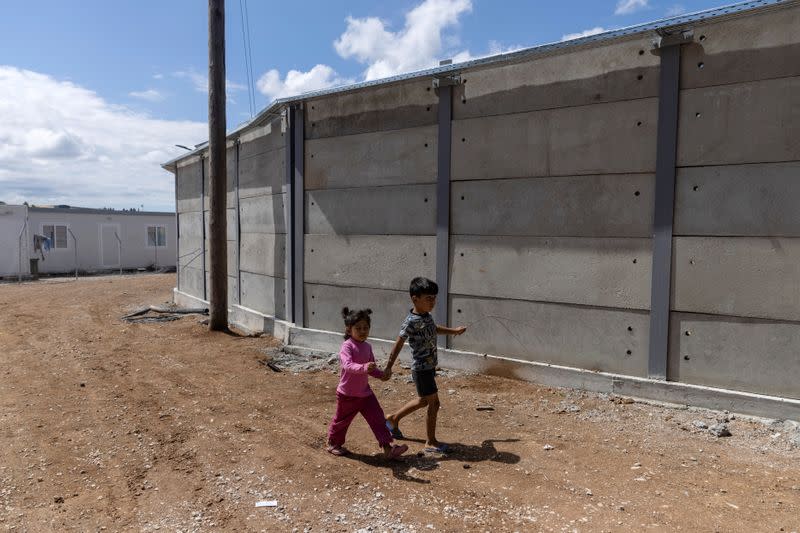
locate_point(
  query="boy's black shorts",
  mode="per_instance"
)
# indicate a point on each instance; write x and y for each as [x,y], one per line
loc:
[425,380]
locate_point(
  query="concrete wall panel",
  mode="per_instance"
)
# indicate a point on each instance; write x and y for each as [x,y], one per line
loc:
[192,281]
[376,261]
[739,276]
[746,200]
[757,47]
[189,183]
[323,306]
[263,214]
[392,107]
[574,206]
[385,158]
[262,174]
[599,272]
[264,253]
[757,122]
[231,256]
[404,210]
[230,178]
[262,139]
[735,353]
[606,340]
[264,294]
[611,138]
[618,71]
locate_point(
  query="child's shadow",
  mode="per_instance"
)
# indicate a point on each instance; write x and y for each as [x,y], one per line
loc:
[403,469]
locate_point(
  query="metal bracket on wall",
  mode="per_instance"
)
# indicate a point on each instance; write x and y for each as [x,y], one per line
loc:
[446,81]
[665,39]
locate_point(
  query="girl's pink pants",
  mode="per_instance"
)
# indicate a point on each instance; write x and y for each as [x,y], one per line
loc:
[347,407]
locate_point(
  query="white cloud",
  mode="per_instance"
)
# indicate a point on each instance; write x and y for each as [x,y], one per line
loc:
[675,9]
[200,81]
[158,76]
[151,95]
[416,46]
[420,44]
[584,33]
[63,144]
[626,7]
[320,77]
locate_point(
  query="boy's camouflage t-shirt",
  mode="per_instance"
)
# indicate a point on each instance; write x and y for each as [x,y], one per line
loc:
[420,330]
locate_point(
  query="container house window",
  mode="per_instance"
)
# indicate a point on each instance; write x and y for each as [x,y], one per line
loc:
[57,235]
[156,236]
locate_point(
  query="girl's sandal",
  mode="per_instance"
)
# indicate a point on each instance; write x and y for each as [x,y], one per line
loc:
[338,451]
[397,450]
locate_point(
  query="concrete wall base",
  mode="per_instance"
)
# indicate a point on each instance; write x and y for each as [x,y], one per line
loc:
[664,392]
[669,392]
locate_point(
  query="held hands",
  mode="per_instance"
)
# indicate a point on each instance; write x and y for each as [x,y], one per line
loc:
[387,373]
[371,366]
[459,330]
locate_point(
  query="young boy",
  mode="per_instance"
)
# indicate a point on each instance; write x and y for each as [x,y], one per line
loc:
[420,330]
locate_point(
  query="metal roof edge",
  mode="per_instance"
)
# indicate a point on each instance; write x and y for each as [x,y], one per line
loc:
[659,24]
[96,211]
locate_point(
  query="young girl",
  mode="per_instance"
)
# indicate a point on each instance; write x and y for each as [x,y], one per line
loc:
[353,395]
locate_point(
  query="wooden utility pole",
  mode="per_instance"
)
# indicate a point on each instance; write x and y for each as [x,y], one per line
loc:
[218,243]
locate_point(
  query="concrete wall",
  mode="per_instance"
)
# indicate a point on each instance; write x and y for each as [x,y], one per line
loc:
[97,249]
[370,202]
[736,285]
[256,167]
[14,258]
[552,194]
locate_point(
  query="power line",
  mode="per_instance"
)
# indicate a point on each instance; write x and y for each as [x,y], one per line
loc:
[248,56]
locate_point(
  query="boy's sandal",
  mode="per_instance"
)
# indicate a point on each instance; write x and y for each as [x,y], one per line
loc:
[395,431]
[441,448]
[338,451]
[397,450]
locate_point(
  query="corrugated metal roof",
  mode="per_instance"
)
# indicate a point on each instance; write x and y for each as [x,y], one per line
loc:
[659,25]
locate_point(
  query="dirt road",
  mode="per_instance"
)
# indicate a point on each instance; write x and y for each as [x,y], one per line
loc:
[106,425]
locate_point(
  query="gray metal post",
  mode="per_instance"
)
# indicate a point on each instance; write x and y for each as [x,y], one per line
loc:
[287,125]
[238,228]
[443,204]
[203,221]
[177,237]
[669,47]
[298,216]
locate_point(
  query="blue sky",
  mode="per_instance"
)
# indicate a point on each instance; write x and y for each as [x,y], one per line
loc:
[95,94]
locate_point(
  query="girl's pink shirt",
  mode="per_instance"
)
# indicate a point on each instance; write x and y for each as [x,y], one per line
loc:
[354,356]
